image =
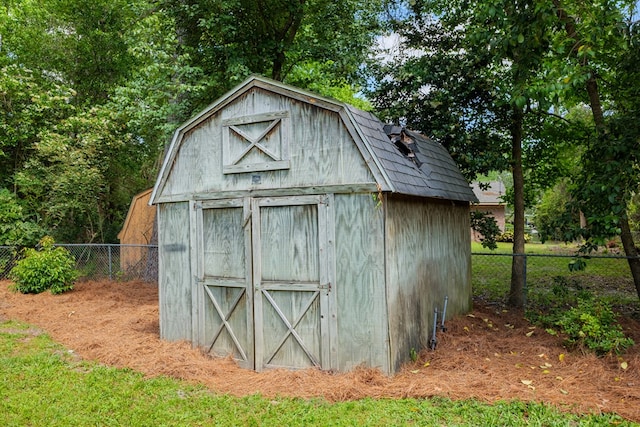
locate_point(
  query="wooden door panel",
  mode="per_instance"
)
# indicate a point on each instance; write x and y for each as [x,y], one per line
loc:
[290,300]
[225,297]
[289,240]
[224,243]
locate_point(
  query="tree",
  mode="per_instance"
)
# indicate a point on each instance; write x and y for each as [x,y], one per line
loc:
[473,81]
[29,105]
[16,228]
[230,39]
[605,54]
[70,180]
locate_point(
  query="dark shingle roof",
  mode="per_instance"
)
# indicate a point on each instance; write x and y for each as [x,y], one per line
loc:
[414,164]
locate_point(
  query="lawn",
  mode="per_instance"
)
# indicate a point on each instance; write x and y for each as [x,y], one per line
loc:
[547,265]
[42,383]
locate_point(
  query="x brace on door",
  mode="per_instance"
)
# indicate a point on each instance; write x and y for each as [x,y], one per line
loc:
[291,327]
[225,324]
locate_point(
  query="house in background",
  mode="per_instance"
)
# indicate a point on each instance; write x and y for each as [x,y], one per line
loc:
[490,200]
[297,231]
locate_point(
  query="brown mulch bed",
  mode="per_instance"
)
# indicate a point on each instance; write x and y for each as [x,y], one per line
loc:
[488,355]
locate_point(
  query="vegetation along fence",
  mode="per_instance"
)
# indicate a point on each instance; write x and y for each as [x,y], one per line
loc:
[101,261]
[549,274]
[606,275]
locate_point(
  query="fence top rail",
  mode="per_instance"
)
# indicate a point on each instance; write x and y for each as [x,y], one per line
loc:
[557,255]
[101,245]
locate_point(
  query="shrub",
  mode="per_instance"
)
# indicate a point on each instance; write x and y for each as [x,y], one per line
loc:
[507,237]
[49,267]
[592,324]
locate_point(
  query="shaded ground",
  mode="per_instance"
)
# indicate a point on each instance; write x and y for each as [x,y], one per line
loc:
[488,355]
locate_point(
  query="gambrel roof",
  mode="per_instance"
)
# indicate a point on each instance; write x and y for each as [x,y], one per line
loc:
[400,160]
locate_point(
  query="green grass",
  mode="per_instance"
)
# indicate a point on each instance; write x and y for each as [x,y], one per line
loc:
[41,383]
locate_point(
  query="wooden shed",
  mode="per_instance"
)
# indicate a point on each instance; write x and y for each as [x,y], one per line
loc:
[297,231]
[137,230]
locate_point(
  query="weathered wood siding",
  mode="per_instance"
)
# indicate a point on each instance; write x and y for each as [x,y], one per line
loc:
[427,257]
[137,230]
[360,291]
[319,149]
[175,278]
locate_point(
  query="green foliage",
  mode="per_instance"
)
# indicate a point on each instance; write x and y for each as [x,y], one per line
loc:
[587,322]
[75,175]
[554,213]
[229,40]
[48,268]
[15,228]
[593,325]
[486,225]
[29,105]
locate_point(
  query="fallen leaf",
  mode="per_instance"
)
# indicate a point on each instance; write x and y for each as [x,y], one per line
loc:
[546,365]
[526,382]
[559,378]
[624,365]
[546,371]
[508,325]
[416,371]
[561,357]
[564,391]
[470,315]
[529,333]
[427,364]
[466,329]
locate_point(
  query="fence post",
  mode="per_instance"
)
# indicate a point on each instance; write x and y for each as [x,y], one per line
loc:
[525,290]
[110,246]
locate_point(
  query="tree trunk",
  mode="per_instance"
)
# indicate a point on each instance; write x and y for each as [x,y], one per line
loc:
[630,250]
[516,292]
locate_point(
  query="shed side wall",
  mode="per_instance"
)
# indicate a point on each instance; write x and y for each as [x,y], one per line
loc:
[428,258]
[362,325]
[175,278]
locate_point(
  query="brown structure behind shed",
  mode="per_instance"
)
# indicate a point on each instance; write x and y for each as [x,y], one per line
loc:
[138,230]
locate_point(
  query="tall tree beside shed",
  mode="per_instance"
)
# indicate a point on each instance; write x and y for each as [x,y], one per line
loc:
[471,78]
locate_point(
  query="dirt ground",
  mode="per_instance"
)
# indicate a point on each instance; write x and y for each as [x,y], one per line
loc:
[489,355]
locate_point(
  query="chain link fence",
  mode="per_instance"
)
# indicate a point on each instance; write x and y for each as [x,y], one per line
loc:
[491,273]
[604,275]
[100,261]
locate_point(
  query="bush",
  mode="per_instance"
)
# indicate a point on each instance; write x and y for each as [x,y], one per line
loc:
[507,237]
[592,324]
[50,267]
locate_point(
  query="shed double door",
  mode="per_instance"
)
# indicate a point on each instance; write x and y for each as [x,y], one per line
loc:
[264,280]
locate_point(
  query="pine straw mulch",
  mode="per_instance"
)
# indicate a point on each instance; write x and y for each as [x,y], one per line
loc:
[488,355]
